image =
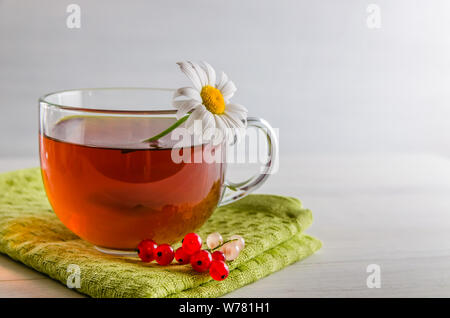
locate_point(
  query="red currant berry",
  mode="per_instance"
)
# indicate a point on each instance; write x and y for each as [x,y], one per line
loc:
[192,243]
[218,270]
[164,254]
[146,249]
[201,261]
[218,256]
[181,256]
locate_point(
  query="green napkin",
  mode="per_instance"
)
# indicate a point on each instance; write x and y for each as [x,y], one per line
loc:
[31,233]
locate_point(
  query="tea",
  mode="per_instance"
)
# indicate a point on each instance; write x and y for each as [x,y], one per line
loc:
[113,190]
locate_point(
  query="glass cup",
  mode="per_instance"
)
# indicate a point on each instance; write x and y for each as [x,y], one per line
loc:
[113,189]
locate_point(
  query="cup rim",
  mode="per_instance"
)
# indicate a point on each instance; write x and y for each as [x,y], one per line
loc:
[43,99]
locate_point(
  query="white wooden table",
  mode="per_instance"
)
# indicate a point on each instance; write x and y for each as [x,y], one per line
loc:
[389,210]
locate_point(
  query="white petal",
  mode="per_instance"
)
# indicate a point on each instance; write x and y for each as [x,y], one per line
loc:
[182,103]
[235,122]
[211,73]
[237,111]
[226,121]
[237,108]
[208,121]
[188,92]
[197,114]
[185,106]
[191,73]
[222,126]
[228,90]
[231,131]
[220,123]
[200,73]
[238,116]
[223,81]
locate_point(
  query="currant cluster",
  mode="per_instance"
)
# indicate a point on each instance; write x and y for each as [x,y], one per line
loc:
[213,259]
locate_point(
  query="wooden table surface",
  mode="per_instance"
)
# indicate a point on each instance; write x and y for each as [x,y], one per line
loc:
[392,210]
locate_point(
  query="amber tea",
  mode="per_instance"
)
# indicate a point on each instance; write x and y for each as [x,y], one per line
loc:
[113,190]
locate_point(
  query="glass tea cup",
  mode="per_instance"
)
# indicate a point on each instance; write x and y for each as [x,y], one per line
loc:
[111,188]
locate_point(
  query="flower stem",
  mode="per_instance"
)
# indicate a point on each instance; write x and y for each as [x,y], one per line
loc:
[168,130]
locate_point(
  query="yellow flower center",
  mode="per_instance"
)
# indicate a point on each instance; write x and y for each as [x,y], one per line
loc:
[213,99]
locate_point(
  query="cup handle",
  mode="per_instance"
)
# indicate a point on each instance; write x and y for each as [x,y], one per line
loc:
[239,190]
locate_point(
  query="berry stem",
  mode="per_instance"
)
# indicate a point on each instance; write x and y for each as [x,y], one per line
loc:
[215,248]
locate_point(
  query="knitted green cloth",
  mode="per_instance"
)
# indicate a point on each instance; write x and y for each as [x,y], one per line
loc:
[31,233]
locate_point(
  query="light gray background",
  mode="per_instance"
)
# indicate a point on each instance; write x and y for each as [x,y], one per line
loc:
[312,68]
[354,106]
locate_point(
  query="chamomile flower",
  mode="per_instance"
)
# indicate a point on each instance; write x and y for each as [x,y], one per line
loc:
[208,100]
